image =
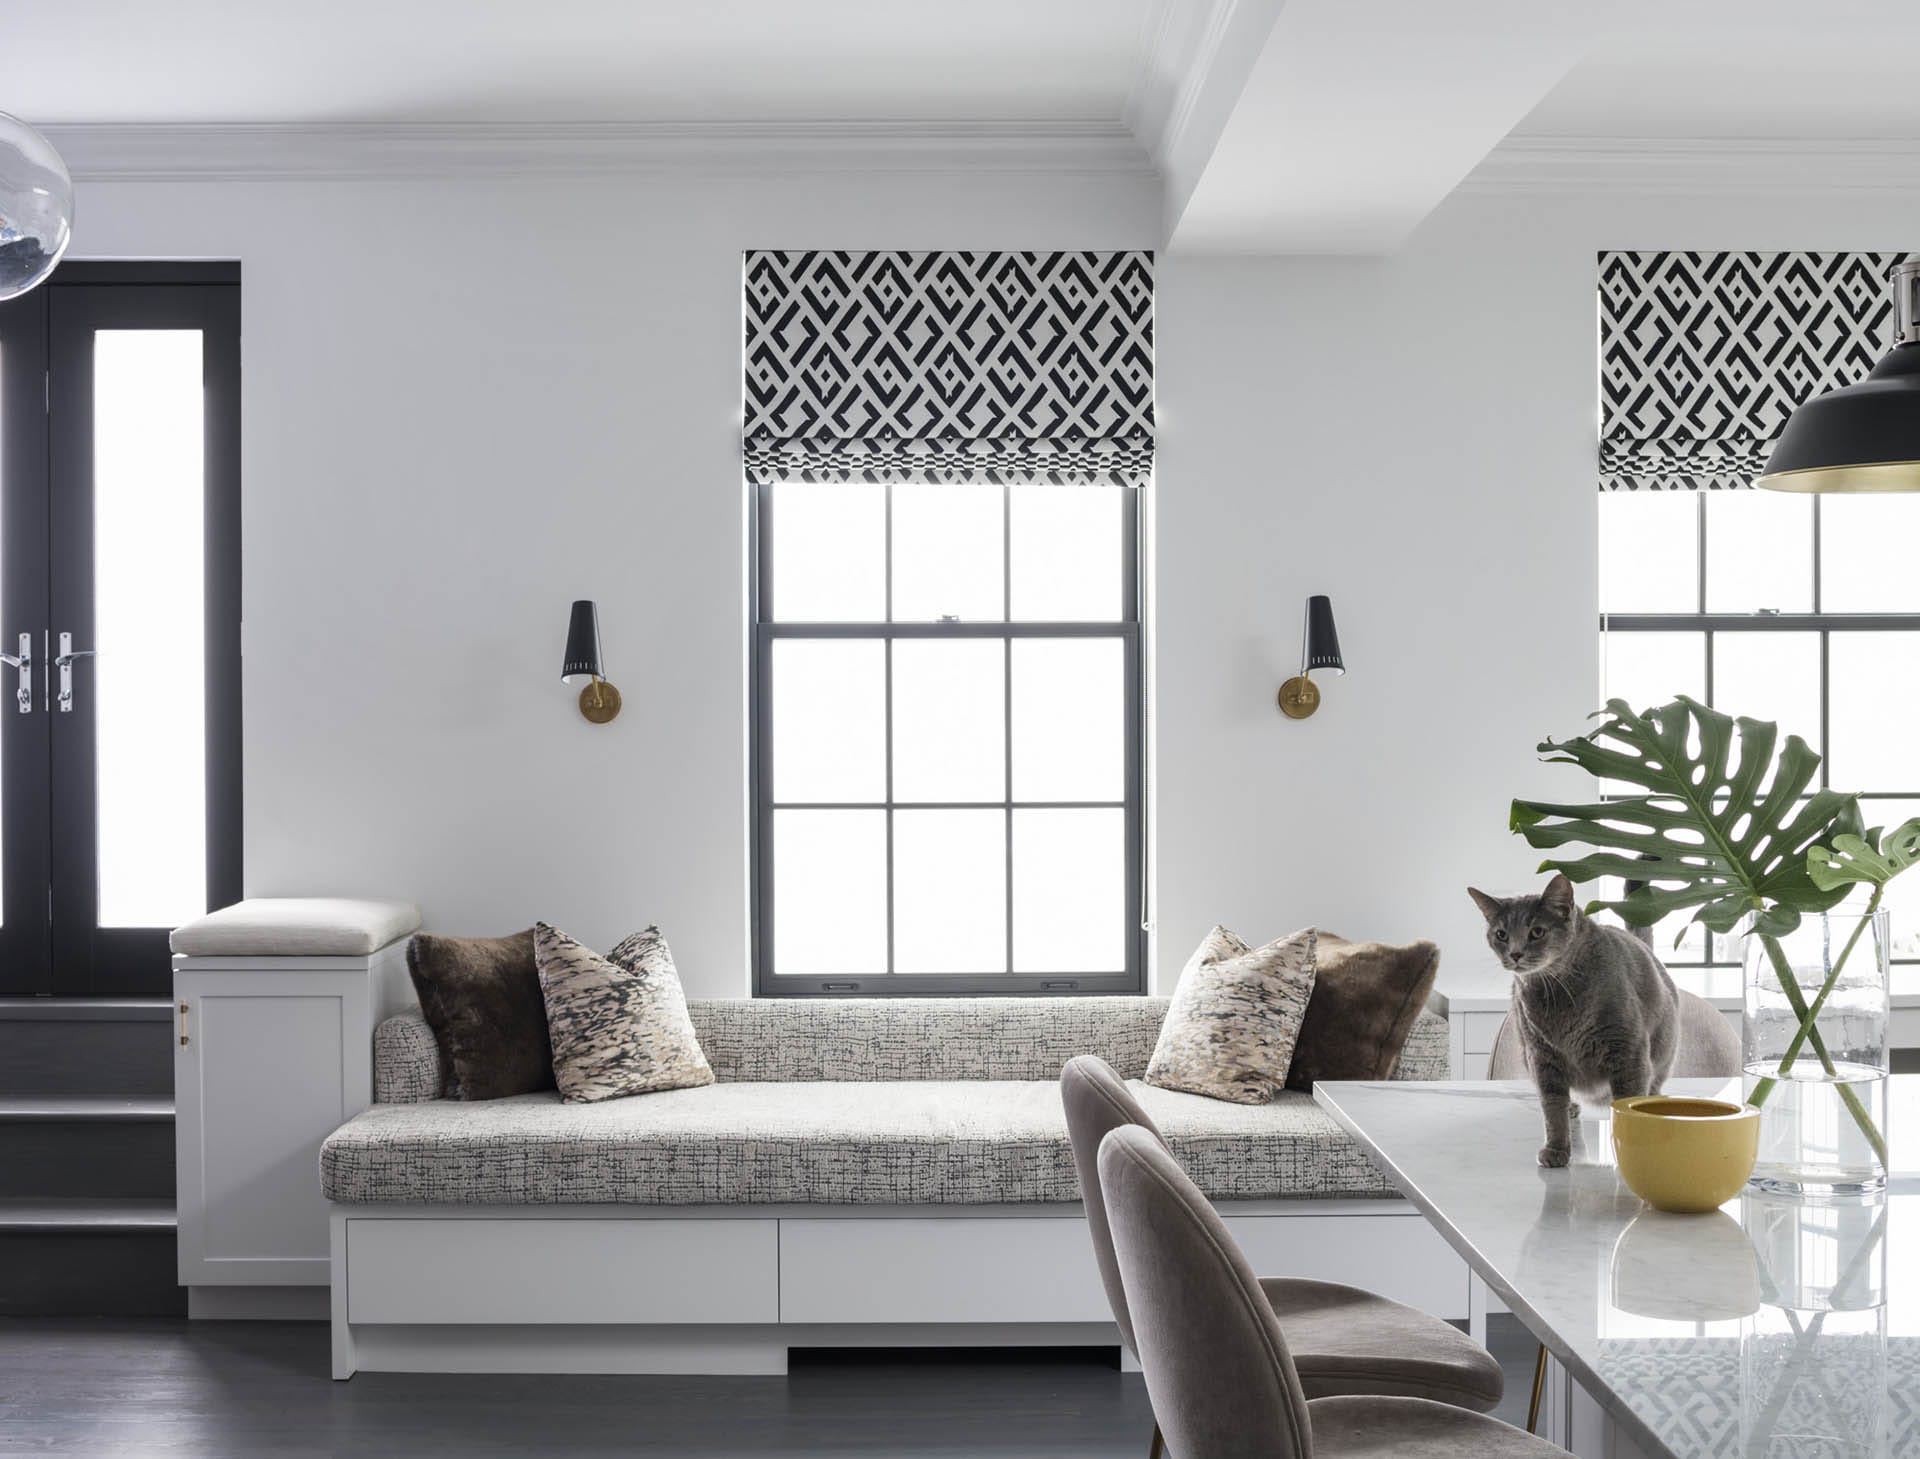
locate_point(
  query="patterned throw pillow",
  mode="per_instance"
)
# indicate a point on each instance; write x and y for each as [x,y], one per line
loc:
[619,1024]
[1232,1025]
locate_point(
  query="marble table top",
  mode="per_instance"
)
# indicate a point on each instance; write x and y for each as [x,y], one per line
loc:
[1771,1328]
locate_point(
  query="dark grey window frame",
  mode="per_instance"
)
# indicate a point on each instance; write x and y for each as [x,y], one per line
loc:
[1816,621]
[1127,629]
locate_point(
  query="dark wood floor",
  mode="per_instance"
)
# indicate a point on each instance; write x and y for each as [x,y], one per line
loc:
[106,1389]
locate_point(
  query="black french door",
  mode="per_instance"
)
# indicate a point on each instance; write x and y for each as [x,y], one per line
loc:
[120,618]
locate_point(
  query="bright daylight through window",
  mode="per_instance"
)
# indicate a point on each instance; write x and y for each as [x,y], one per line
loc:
[947,715]
[1800,609]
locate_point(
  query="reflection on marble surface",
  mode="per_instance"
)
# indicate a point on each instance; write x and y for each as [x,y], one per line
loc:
[1771,1329]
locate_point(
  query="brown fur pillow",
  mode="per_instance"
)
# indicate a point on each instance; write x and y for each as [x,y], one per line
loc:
[1364,1004]
[481,997]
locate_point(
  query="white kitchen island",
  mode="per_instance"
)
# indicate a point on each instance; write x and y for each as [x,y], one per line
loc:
[1771,1328]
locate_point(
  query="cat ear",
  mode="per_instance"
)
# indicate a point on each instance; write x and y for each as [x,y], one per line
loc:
[1559,892]
[1490,907]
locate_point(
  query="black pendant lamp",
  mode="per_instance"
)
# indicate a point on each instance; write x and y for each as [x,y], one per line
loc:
[1864,437]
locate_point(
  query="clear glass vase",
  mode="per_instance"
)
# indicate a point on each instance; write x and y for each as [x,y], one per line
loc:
[1813,1351]
[1815,1037]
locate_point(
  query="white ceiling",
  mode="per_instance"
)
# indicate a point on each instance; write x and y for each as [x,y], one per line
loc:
[506,61]
[1359,116]
[1274,125]
[1830,82]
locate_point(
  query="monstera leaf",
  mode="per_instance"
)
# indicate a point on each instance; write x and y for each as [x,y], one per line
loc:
[1724,828]
[1873,859]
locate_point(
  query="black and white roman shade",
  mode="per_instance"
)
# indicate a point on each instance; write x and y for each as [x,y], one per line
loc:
[949,367]
[1703,356]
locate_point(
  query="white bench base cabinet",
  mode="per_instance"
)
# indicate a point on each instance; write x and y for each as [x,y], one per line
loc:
[664,1289]
[270,1055]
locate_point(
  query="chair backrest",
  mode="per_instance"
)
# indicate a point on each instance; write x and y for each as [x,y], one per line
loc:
[1222,1382]
[1096,1101]
[1708,1049]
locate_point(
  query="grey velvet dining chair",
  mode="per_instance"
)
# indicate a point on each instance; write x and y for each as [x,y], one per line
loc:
[1223,1382]
[1344,1340]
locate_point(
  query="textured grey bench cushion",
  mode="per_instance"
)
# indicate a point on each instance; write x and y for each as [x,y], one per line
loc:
[787,1040]
[868,1142]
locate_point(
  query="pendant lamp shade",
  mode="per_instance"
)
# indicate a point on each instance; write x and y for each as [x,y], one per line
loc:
[36,207]
[1323,641]
[1865,437]
[583,644]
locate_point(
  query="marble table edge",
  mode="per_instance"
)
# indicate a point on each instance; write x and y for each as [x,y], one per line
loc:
[1326,1095]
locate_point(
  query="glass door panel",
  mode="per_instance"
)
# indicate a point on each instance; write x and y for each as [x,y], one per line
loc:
[148,674]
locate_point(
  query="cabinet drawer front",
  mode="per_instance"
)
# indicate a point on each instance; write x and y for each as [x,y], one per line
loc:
[1397,1256]
[529,1271]
[1478,1031]
[957,1269]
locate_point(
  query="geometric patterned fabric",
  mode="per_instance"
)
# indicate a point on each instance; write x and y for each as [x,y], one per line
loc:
[1704,356]
[994,367]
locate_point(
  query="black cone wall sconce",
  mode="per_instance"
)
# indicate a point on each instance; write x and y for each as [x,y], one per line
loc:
[599,700]
[1300,696]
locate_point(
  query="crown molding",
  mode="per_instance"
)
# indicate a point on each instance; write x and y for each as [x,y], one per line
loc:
[1159,67]
[1681,165]
[111,152]
[1199,48]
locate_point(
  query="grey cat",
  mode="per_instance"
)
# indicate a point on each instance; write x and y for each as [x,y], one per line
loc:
[1596,1012]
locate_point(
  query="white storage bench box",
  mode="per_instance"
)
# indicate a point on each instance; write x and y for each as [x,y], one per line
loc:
[275,1000]
[866,1172]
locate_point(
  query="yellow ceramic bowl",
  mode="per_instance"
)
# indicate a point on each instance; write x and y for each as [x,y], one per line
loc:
[1681,1154]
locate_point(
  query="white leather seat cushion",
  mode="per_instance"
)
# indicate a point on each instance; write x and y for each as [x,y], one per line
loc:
[297,927]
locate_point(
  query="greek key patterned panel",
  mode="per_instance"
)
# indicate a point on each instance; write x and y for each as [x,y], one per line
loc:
[1703,356]
[997,367]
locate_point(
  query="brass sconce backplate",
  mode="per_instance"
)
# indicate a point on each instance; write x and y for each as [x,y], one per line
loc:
[599,701]
[1299,697]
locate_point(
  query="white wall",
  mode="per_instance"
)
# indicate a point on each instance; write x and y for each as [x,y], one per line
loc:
[466,404]
[470,402]
[1415,437]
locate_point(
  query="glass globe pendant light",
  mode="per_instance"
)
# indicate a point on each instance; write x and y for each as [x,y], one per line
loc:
[1863,437]
[36,207]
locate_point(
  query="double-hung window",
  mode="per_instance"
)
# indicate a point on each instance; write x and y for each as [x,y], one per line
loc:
[1802,610]
[947,738]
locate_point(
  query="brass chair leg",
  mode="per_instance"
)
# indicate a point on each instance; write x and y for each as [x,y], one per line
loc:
[1539,1386]
[1159,1445]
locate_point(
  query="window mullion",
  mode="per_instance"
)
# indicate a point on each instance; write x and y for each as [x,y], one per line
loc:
[1006,702]
[887,649]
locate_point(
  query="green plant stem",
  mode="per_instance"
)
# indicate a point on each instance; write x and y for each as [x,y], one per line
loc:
[1833,978]
[1789,985]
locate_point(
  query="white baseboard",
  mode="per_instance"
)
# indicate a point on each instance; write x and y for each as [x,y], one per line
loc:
[759,1350]
[257,1304]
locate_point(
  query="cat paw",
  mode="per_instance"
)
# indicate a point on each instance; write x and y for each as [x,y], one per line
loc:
[1553,1156]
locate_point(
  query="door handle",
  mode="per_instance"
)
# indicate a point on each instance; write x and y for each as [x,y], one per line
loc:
[63,661]
[22,664]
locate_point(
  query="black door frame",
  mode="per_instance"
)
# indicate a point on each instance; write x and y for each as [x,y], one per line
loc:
[81,957]
[25,805]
